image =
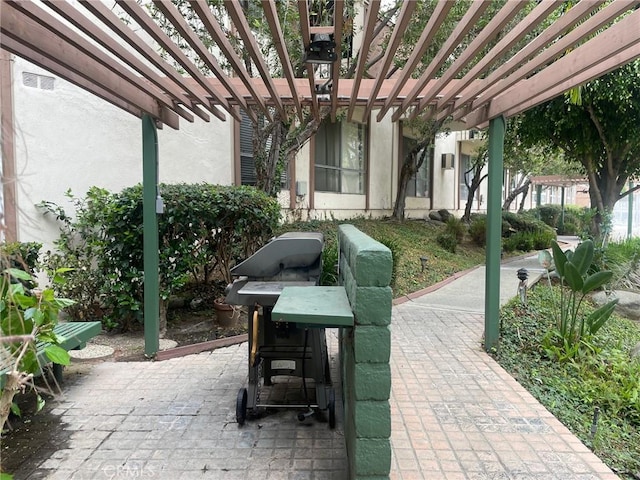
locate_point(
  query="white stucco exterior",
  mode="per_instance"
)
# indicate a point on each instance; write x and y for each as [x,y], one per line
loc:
[67,138]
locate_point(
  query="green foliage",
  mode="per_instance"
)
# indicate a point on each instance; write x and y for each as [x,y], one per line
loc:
[601,376]
[456,227]
[413,239]
[447,241]
[574,330]
[577,221]
[203,231]
[478,230]
[21,255]
[623,259]
[27,317]
[519,232]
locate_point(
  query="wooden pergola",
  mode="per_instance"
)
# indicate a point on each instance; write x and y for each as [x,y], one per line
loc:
[516,65]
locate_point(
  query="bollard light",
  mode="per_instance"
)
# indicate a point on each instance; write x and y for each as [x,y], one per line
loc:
[523,274]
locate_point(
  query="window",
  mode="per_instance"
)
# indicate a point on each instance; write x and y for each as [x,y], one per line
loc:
[247,165]
[340,158]
[466,175]
[418,185]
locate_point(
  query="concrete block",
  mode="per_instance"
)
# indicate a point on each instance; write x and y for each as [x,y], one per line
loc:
[372,305]
[370,260]
[372,344]
[373,419]
[372,457]
[371,381]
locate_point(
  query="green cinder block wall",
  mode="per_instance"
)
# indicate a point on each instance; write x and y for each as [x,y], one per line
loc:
[365,272]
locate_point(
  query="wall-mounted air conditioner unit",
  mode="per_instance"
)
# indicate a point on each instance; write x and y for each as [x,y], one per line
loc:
[447,160]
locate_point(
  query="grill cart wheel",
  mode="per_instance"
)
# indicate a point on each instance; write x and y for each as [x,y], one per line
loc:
[332,409]
[241,406]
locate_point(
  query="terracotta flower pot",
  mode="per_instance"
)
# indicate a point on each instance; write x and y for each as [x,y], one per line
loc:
[226,315]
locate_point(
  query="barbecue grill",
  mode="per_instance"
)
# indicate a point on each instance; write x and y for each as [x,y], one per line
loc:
[277,348]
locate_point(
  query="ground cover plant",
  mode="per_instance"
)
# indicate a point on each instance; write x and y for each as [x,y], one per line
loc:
[595,393]
[409,241]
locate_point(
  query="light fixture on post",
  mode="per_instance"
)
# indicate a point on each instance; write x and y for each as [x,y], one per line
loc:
[322,49]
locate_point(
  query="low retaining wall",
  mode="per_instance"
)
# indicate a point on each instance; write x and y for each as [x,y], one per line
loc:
[365,272]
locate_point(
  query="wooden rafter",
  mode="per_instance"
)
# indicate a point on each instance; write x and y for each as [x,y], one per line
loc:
[427,36]
[172,13]
[338,22]
[111,20]
[621,39]
[217,34]
[488,33]
[69,51]
[78,44]
[85,25]
[528,24]
[396,37]
[369,23]
[274,24]
[474,13]
[242,26]
[303,11]
[509,73]
[146,23]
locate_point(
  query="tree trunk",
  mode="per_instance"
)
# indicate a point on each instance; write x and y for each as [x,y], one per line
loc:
[473,188]
[524,197]
[401,196]
[524,187]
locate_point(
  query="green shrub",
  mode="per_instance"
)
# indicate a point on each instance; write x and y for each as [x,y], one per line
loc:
[478,230]
[396,252]
[522,241]
[447,241]
[23,256]
[203,231]
[456,227]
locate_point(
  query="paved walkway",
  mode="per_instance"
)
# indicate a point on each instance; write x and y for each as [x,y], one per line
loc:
[456,413]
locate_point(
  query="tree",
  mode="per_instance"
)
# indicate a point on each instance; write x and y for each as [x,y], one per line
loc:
[599,132]
[413,160]
[474,173]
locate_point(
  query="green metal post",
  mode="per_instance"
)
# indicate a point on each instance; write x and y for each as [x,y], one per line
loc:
[538,195]
[150,236]
[561,225]
[494,234]
[630,217]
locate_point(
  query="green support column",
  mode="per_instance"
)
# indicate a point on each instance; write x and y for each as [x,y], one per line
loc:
[150,235]
[561,225]
[630,216]
[494,234]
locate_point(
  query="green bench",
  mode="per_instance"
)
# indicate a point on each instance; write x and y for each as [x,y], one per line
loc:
[72,336]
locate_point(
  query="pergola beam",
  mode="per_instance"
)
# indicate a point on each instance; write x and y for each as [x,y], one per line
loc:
[493,28]
[65,49]
[435,21]
[303,11]
[242,26]
[530,22]
[620,40]
[338,21]
[85,25]
[177,20]
[369,24]
[146,23]
[111,20]
[495,84]
[394,42]
[278,39]
[215,30]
